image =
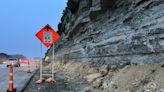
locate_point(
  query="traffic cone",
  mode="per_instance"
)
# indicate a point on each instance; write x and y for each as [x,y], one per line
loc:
[50,80]
[10,87]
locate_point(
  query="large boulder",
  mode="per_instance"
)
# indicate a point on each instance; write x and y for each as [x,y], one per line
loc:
[91,77]
[92,70]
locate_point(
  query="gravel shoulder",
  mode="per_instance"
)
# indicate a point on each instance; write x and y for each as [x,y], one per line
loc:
[63,84]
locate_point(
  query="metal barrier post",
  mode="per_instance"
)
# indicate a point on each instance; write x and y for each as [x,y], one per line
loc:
[53,63]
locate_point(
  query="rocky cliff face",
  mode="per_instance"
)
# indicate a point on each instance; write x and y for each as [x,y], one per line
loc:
[111,32]
[97,36]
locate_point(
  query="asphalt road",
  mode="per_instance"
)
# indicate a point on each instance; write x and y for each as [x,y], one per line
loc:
[21,77]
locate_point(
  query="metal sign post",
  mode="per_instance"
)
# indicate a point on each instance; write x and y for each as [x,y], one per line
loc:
[47,36]
[53,60]
[41,67]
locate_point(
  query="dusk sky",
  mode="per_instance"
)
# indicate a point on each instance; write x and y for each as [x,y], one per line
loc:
[20,20]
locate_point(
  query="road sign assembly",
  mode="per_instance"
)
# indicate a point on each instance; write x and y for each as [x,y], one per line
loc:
[47,36]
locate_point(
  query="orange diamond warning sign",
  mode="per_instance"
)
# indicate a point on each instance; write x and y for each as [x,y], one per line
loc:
[47,35]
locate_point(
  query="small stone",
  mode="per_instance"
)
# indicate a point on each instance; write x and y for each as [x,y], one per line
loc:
[151,86]
[161,90]
[88,89]
[97,83]
[104,70]
[114,68]
[105,85]
[162,65]
[63,62]
[114,86]
[39,88]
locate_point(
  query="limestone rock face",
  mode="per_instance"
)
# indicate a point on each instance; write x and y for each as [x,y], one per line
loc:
[112,32]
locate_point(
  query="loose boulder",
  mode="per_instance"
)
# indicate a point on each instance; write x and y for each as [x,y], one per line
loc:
[91,77]
[92,70]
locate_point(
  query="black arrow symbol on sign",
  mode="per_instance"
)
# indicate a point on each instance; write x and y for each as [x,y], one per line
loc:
[47,28]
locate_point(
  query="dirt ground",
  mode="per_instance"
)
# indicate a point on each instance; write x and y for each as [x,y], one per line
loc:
[63,84]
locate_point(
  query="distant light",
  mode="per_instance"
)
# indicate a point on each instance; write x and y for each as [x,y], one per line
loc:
[4,62]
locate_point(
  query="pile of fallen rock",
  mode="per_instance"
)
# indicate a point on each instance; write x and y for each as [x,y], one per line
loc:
[142,78]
